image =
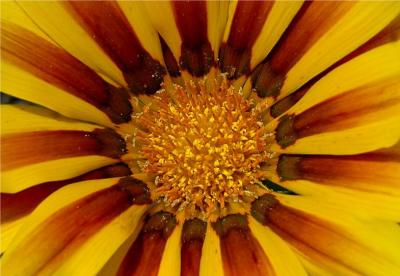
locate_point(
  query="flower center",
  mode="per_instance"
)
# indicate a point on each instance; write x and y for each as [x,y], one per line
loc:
[204,144]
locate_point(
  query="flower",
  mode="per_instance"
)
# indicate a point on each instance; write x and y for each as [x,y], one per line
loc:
[236,138]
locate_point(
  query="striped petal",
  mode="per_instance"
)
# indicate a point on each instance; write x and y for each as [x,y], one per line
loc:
[283,260]
[260,81]
[60,25]
[145,255]
[51,148]
[192,31]
[15,206]
[241,253]
[337,244]
[346,171]
[193,235]
[113,31]
[246,42]
[75,224]
[38,71]
[321,34]
[357,112]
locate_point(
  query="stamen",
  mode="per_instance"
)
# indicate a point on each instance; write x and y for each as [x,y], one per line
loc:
[204,143]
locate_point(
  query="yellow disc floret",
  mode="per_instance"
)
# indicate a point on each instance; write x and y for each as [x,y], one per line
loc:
[204,143]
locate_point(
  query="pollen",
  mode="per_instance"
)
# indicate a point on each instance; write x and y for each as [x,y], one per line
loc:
[204,144]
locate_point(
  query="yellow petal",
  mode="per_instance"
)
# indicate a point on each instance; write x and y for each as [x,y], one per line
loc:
[171,259]
[282,258]
[57,22]
[162,17]
[41,151]
[346,171]
[356,115]
[336,240]
[75,220]
[20,179]
[366,205]
[359,24]
[91,256]
[15,117]
[211,261]
[373,67]
[8,231]
[382,134]
[26,86]
[265,33]
[12,13]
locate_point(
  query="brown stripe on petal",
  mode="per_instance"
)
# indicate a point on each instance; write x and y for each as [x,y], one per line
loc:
[312,20]
[389,34]
[343,111]
[22,149]
[314,237]
[14,206]
[248,20]
[193,235]
[191,19]
[373,171]
[107,24]
[55,66]
[169,59]
[144,256]
[241,252]
[68,228]
[286,103]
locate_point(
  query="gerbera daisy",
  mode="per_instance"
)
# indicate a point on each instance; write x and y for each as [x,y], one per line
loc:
[201,138]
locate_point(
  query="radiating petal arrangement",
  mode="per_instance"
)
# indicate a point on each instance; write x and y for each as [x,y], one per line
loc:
[200,138]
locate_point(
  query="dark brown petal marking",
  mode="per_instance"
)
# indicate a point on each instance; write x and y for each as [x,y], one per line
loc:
[369,171]
[191,19]
[144,256]
[169,59]
[248,20]
[340,112]
[285,134]
[306,232]
[286,103]
[389,34]
[14,206]
[193,235]
[313,20]
[27,148]
[107,24]
[241,252]
[55,66]
[68,228]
